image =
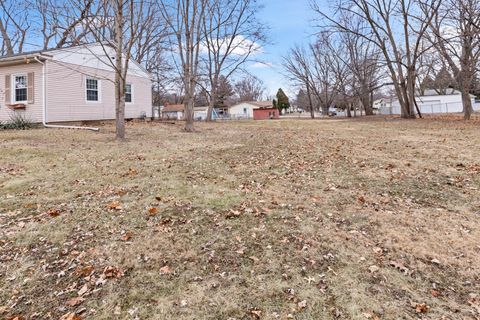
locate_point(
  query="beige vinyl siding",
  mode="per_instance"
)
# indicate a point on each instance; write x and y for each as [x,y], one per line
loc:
[33,111]
[66,94]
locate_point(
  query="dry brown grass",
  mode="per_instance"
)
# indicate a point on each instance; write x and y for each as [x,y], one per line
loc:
[265,220]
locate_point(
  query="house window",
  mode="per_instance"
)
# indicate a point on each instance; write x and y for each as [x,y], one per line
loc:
[128,93]
[20,86]
[244,110]
[92,89]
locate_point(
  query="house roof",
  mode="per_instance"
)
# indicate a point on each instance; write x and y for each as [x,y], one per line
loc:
[173,108]
[257,104]
[49,54]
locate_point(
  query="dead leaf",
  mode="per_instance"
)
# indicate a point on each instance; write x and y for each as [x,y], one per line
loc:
[399,266]
[114,205]
[16,318]
[232,213]
[53,212]
[75,301]
[127,236]
[153,211]
[256,313]
[165,270]
[113,272]
[254,259]
[421,307]
[435,293]
[85,271]
[70,316]
[302,304]
[373,269]
[83,290]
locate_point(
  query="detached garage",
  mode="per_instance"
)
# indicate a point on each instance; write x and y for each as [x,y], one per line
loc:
[266,114]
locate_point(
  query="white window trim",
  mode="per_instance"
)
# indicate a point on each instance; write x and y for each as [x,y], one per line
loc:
[132,93]
[13,89]
[99,89]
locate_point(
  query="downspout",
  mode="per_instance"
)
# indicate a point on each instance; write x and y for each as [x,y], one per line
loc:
[44,107]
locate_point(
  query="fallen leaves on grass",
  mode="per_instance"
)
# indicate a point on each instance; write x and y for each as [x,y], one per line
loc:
[75,301]
[127,236]
[53,212]
[114,205]
[153,211]
[373,269]
[256,313]
[113,272]
[165,270]
[400,267]
[70,316]
[420,307]
[85,271]
[302,305]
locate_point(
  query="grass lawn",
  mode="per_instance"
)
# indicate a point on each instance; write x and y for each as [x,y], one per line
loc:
[293,219]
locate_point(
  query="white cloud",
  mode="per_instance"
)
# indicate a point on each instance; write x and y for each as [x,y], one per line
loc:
[240,46]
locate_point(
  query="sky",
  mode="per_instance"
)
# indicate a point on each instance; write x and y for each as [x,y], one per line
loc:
[289,22]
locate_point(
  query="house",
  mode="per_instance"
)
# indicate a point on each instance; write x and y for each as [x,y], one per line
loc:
[382,103]
[244,110]
[173,112]
[70,84]
[432,102]
[177,112]
[266,113]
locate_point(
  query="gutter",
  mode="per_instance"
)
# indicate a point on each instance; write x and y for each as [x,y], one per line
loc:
[44,102]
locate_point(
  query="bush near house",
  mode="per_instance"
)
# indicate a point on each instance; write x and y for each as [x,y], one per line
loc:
[17,122]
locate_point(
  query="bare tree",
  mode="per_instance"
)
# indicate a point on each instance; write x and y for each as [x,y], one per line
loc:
[14,25]
[127,19]
[298,66]
[233,34]
[325,71]
[249,88]
[456,30]
[184,19]
[397,28]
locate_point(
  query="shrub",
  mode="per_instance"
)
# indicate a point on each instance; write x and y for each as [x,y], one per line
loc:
[17,122]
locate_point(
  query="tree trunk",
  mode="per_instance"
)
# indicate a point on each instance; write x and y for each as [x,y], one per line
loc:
[325,111]
[119,79]
[120,108]
[367,105]
[349,112]
[467,104]
[189,127]
[310,103]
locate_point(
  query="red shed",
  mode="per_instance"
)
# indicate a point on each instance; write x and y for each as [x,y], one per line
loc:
[265,114]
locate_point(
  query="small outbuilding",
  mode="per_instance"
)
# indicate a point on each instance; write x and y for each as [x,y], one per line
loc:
[266,114]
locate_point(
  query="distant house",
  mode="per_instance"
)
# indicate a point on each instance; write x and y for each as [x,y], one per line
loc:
[244,110]
[382,103]
[432,102]
[177,112]
[173,112]
[266,113]
[70,84]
